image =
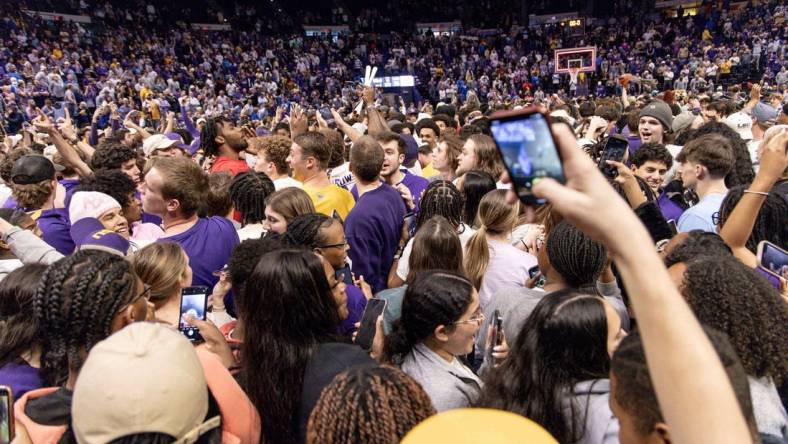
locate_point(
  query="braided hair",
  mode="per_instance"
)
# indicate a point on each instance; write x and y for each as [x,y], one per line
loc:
[770,223]
[248,192]
[370,404]
[576,257]
[208,134]
[75,303]
[440,198]
[304,230]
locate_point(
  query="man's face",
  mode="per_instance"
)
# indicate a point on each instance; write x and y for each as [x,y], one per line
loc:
[650,130]
[392,159]
[171,151]
[152,200]
[689,174]
[428,136]
[282,132]
[133,212]
[297,162]
[653,172]
[233,137]
[467,158]
[130,168]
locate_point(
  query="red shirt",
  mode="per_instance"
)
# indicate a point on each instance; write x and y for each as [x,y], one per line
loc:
[222,164]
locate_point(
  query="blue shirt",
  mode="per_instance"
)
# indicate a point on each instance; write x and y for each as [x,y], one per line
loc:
[373,229]
[208,244]
[699,217]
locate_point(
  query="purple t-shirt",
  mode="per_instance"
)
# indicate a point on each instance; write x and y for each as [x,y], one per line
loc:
[372,229]
[415,184]
[356,303]
[22,378]
[56,229]
[208,244]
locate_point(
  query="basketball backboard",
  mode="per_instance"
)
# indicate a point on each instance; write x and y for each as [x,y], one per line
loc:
[583,59]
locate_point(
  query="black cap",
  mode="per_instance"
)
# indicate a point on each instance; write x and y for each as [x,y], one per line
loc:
[32,169]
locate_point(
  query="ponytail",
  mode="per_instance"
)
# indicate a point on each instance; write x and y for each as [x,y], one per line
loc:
[477,256]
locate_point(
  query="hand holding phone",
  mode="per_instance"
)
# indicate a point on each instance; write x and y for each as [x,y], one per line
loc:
[495,335]
[615,149]
[193,302]
[366,332]
[526,145]
[774,261]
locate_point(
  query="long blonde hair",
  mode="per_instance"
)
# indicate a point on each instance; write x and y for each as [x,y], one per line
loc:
[495,217]
[162,266]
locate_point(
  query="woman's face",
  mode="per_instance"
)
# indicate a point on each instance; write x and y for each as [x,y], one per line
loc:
[113,220]
[274,221]
[337,289]
[614,331]
[463,333]
[335,247]
[186,277]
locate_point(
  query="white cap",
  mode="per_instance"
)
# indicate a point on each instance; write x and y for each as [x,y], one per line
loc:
[156,142]
[741,123]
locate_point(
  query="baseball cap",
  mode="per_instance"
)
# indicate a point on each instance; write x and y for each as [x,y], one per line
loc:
[682,121]
[157,142]
[741,123]
[179,142]
[32,169]
[89,234]
[144,378]
[477,426]
[765,115]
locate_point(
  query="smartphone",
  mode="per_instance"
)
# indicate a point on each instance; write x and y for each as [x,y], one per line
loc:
[366,332]
[528,150]
[533,272]
[773,259]
[193,301]
[615,149]
[496,334]
[6,414]
[673,227]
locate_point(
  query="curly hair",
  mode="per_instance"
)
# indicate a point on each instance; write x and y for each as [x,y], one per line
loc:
[248,192]
[113,183]
[17,325]
[652,152]
[245,257]
[276,149]
[111,156]
[696,243]
[369,404]
[74,305]
[33,196]
[770,224]
[9,160]
[735,299]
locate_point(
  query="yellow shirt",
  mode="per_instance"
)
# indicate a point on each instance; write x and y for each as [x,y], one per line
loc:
[429,171]
[331,198]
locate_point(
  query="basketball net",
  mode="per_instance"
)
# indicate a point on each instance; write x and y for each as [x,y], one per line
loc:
[573,72]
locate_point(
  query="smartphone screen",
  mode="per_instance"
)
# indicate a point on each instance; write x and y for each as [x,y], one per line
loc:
[193,302]
[6,415]
[615,149]
[673,227]
[366,332]
[528,151]
[773,259]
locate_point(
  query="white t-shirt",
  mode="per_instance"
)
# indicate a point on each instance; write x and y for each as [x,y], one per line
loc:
[286,182]
[342,177]
[508,267]
[403,268]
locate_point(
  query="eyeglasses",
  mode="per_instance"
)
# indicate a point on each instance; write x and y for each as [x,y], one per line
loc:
[477,317]
[342,245]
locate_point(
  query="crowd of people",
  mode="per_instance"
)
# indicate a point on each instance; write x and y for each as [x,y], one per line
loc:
[142,163]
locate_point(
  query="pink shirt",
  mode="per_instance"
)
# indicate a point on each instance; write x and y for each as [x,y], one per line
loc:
[508,267]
